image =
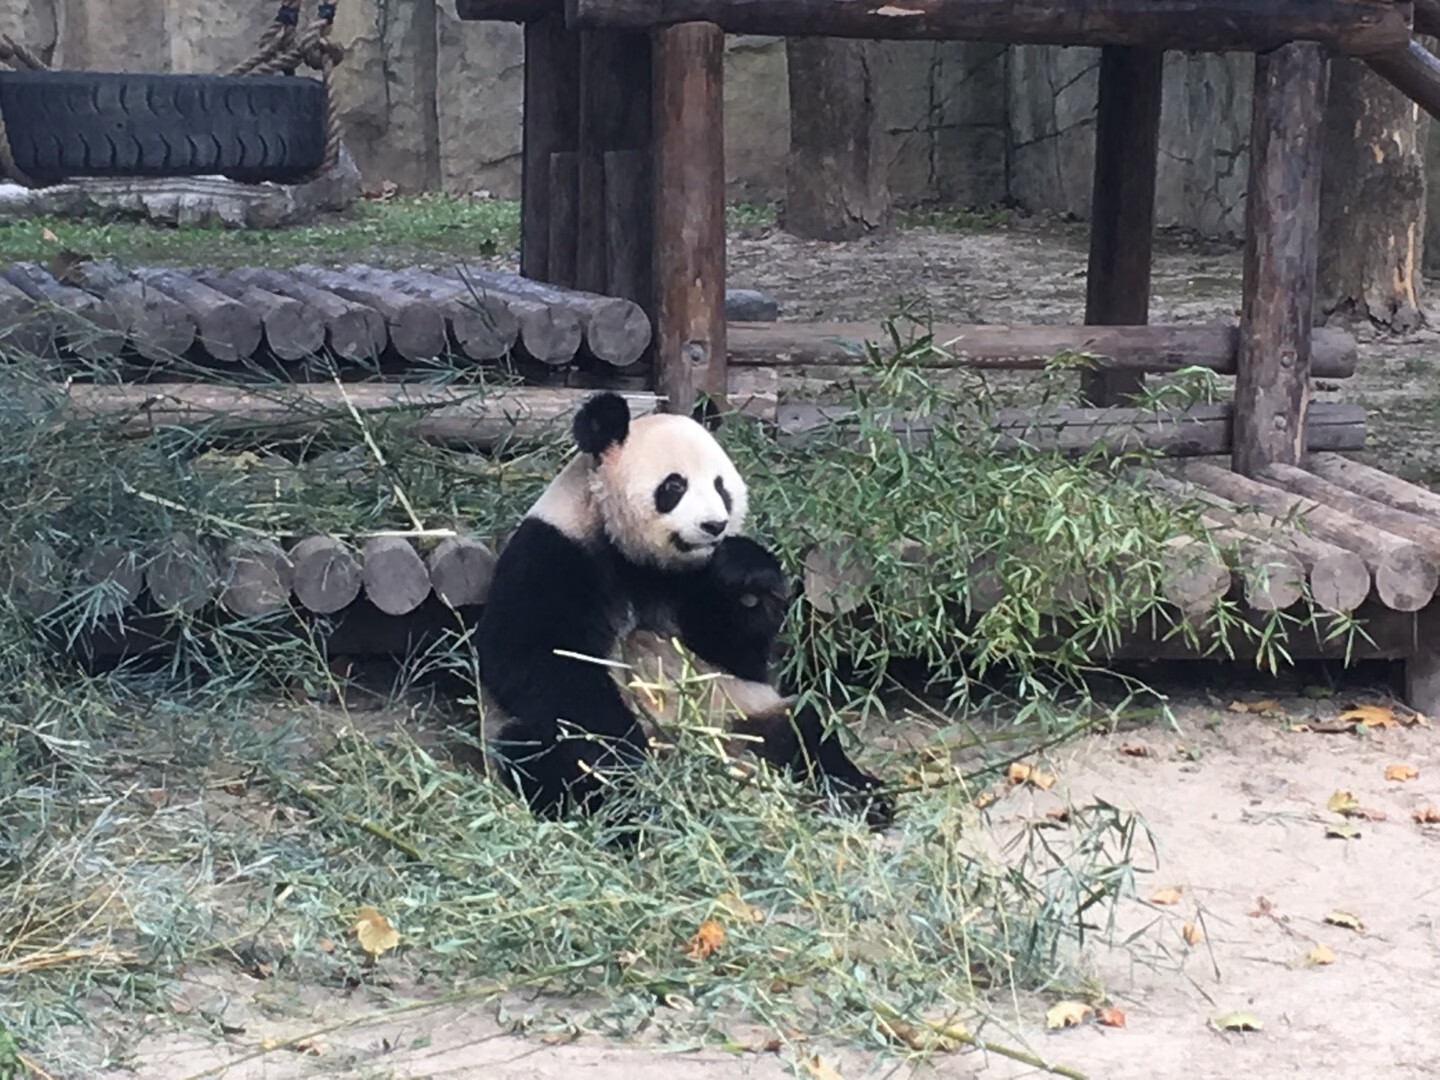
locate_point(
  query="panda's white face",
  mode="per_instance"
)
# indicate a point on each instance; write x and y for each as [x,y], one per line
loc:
[668,493]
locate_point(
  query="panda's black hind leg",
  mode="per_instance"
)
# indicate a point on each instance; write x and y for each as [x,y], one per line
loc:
[799,744]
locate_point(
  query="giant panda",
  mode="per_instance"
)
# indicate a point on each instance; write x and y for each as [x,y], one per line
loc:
[636,543]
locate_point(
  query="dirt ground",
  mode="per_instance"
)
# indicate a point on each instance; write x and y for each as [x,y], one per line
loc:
[1237,802]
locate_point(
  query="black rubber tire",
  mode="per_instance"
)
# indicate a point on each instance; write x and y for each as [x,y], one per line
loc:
[65,124]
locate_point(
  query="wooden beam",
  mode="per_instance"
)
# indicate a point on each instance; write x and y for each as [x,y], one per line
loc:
[1282,222]
[1414,71]
[689,233]
[1122,218]
[1024,348]
[550,123]
[518,11]
[1355,26]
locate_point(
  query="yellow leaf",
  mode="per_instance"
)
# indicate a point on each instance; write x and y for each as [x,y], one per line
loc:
[1236,1021]
[1191,933]
[984,799]
[1342,802]
[818,1069]
[705,940]
[1381,716]
[46,234]
[739,908]
[1342,832]
[1165,896]
[1320,954]
[374,932]
[1066,1014]
[1110,1017]
[1349,920]
[1021,773]
[1401,772]
[1265,707]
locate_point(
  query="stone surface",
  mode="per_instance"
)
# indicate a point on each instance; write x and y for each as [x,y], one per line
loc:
[750,305]
[481,84]
[198,200]
[757,117]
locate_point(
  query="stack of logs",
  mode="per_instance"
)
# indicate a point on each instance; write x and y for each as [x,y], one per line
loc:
[96,310]
[1353,539]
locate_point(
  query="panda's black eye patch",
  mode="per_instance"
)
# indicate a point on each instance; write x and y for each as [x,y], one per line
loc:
[724,495]
[671,490]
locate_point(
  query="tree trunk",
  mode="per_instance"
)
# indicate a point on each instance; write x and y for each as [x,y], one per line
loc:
[836,188]
[1372,207]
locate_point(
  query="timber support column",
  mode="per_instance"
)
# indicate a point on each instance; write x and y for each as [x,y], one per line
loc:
[550,126]
[689,234]
[1282,225]
[1122,219]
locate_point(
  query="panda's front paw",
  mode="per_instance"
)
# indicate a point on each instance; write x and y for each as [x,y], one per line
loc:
[741,565]
[866,795]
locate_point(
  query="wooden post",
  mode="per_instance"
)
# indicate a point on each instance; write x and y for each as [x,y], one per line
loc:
[689,232]
[1122,220]
[615,113]
[1282,221]
[550,124]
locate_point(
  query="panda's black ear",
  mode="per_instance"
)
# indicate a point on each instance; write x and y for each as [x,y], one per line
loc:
[601,423]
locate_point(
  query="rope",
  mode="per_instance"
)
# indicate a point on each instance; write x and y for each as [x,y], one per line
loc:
[281,50]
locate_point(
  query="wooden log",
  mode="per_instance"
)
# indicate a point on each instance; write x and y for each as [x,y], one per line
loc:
[1427,17]
[615,112]
[615,331]
[1422,668]
[326,576]
[85,324]
[1282,221]
[417,330]
[1027,348]
[227,329]
[452,416]
[1272,578]
[564,199]
[116,575]
[1122,212]
[755,392]
[25,326]
[835,577]
[293,330]
[1377,514]
[518,11]
[157,326]
[1339,580]
[394,576]
[1413,70]
[181,577]
[1354,26]
[549,124]
[1374,484]
[352,331]
[482,325]
[257,578]
[689,230]
[34,577]
[461,569]
[545,332]
[1404,577]
[1194,576]
[628,227]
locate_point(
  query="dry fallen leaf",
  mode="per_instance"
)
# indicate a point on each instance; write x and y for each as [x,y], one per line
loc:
[1320,954]
[1263,906]
[1264,707]
[374,932]
[1110,1017]
[1427,815]
[1020,773]
[1066,1014]
[1349,920]
[1342,802]
[1342,832]
[705,940]
[1165,896]
[46,234]
[984,799]
[1134,749]
[820,1070]
[1401,772]
[1191,933]
[1235,1021]
[1381,716]
[1370,815]
[325,945]
[739,908]
[1058,813]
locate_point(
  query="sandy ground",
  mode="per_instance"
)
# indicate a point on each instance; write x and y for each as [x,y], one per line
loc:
[1238,806]
[1238,802]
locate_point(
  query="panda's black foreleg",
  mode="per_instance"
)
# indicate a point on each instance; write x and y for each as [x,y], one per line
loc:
[798,743]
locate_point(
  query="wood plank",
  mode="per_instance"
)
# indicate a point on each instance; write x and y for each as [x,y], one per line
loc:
[549,123]
[1024,348]
[1282,223]
[1122,209]
[1356,26]
[518,11]
[1413,70]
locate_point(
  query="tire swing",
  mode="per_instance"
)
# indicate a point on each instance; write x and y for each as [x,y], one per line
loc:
[256,122]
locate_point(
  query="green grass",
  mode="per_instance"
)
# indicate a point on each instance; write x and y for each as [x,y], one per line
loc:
[407,229]
[953,218]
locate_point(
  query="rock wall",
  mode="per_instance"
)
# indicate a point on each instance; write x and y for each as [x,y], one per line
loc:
[430,101]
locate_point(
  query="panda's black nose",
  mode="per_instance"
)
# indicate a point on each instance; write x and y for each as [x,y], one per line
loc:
[714,528]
